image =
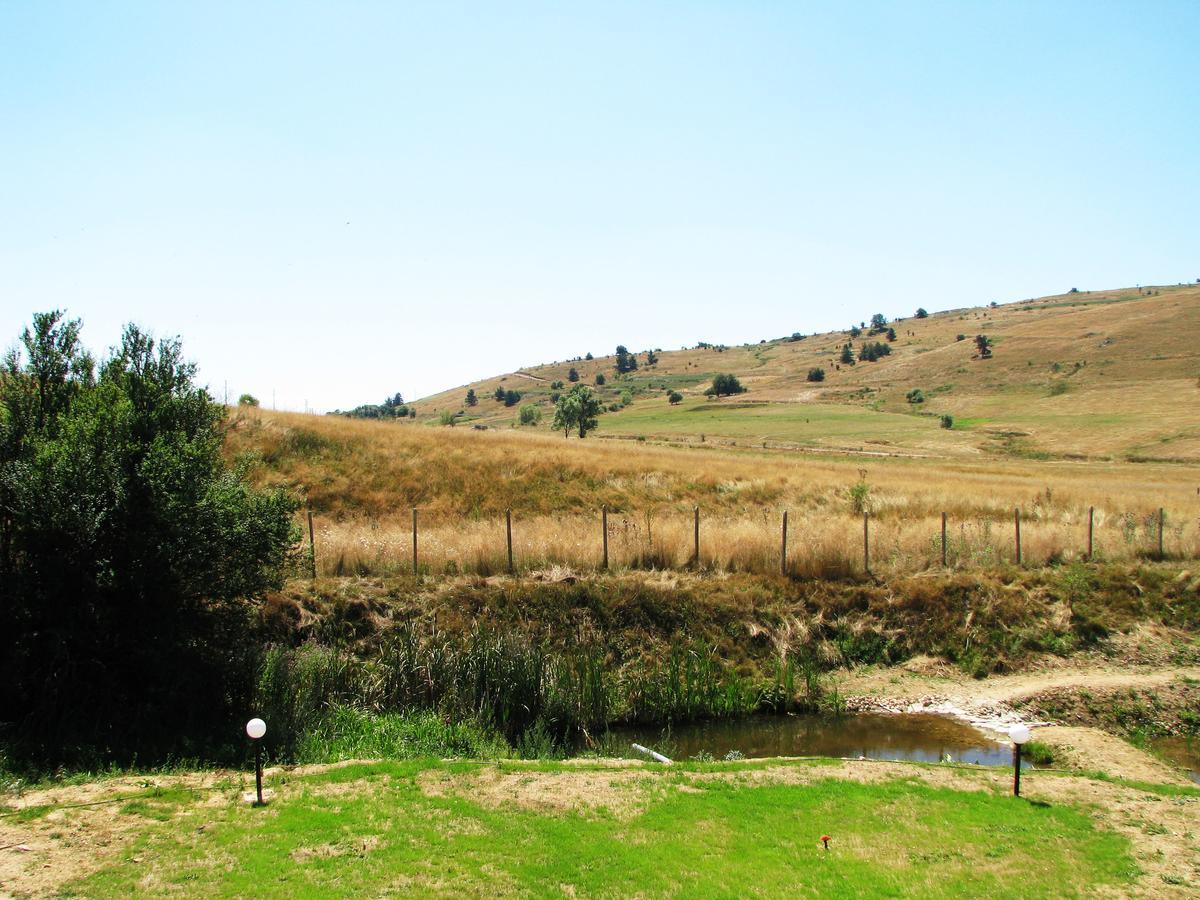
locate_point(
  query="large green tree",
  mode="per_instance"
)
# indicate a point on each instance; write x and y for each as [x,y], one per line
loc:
[577,410]
[130,555]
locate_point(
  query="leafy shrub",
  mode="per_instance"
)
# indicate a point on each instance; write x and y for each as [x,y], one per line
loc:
[916,395]
[600,379]
[674,397]
[573,375]
[947,421]
[873,351]
[724,385]
[859,495]
[247,400]
[530,414]
[816,374]
[129,554]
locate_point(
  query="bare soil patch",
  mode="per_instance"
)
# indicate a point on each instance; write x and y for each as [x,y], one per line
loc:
[621,790]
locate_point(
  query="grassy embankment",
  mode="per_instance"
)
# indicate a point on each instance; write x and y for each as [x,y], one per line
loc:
[550,664]
[442,829]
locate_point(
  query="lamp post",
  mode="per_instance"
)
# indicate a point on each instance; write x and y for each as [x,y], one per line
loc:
[1019,734]
[255,729]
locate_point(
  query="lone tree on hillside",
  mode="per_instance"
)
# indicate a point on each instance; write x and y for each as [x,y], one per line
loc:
[577,409]
[626,361]
[921,313]
[472,400]
[600,379]
[878,323]
[573,374]
[847,356]
[816,374]
[130,556]
[891,334]
[984,344]
[674,397]
[724,385]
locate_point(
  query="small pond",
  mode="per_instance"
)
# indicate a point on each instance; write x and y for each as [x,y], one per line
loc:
[1181,750]
[922,737]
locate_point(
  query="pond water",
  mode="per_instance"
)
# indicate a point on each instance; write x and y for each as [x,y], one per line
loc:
[1183,751]
[922,737]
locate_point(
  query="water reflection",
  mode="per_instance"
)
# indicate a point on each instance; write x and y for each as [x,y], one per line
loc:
[922,737]
[1181,750]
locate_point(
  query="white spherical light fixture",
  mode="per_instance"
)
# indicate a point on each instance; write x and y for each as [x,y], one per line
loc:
[1019,734]
[256,728]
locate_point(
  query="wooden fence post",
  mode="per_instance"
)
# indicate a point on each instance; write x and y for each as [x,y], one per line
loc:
[783,549]
[696,537]
[866,544]
[312,547]
[414,512]
[1017,526]
[1091,530]
[508,531]
[604,528]
[1160,532]
[943,540]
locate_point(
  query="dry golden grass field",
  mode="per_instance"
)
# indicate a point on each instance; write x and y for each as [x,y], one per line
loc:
[361,478]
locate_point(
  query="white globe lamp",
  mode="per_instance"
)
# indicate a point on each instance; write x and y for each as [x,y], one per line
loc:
[255,729]
[1018,734]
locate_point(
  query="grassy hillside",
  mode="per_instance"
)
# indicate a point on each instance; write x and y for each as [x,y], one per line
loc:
[1106,374]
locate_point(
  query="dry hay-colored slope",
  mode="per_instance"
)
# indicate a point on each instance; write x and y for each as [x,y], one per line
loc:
[1097,374]
[363,477]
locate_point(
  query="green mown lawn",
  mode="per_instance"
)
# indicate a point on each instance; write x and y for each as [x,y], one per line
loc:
[377,829]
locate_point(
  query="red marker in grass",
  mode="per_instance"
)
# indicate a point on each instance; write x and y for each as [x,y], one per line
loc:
[825,841]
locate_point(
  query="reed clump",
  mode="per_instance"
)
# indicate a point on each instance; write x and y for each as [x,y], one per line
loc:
[533,697]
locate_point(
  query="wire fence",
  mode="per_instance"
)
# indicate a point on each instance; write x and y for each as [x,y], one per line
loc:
[812,544]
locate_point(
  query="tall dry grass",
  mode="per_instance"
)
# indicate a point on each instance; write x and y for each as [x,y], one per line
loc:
[362,478]
[819,545]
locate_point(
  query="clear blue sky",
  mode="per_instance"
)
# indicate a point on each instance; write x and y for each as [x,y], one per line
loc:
[340,201]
